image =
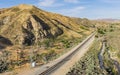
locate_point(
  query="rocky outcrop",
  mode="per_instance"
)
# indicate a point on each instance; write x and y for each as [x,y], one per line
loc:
[26,24]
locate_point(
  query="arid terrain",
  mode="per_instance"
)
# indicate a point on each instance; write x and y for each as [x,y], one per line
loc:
[101,60]
[29,34]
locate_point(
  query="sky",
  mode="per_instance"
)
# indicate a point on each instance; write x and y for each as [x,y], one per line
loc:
[91,9]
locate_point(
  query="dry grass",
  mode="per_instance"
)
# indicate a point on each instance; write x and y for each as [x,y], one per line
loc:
[113,38]
[43,23]
[19,16]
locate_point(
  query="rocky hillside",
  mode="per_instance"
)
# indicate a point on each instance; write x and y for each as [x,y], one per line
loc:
[26,24]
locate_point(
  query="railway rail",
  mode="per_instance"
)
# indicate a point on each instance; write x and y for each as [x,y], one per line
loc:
[57,65]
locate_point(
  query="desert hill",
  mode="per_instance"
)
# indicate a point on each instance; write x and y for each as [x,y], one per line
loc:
[26,24]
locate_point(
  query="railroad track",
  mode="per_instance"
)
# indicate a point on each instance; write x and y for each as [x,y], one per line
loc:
[57,65]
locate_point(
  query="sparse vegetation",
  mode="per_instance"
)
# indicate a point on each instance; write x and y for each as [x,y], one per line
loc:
[51,35]
[44,35]
[89,64]
[101,31]
[113,41]
[4,61]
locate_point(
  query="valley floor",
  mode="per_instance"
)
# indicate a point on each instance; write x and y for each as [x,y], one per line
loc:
[103,58]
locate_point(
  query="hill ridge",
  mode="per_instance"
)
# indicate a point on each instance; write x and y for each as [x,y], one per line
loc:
[26,23]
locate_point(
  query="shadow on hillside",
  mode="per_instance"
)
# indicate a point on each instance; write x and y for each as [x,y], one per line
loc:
[4,42]
[44,25]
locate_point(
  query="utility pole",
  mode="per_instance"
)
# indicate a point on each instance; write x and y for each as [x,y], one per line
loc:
[31,58]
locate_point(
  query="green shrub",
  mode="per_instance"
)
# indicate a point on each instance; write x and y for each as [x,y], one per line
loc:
[101,31]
